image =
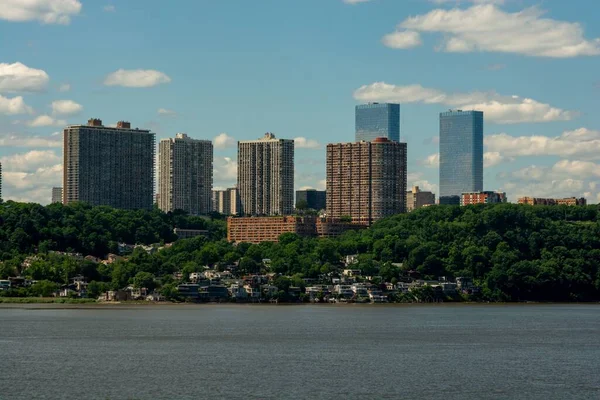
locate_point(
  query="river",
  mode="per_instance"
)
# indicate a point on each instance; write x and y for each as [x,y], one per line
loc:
[300,352]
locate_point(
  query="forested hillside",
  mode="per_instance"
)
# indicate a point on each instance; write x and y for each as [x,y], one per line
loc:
[513,252]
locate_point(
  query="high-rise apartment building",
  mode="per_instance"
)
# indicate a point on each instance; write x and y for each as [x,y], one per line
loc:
[266,176]
[366,181]
[57,194]
[416,198]
[185,174]
[226,202]
[461,153]
[312,198]
[112,166]
[376,120]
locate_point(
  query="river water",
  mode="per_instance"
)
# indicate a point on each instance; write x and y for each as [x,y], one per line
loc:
[301,352]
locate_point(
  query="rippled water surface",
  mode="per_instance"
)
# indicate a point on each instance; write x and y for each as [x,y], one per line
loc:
[318,352]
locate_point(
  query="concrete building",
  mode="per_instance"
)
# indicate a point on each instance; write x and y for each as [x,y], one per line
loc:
[366,181]
[461,152]
[416,198]
[266,176]
[185,174]
[111,166]
[0,181]
[314,199]
[482,198]
[376,120]
[268,229]
[536,201]
[226,202]
[57,195]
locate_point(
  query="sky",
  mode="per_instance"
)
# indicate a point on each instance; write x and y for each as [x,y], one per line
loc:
[232,70]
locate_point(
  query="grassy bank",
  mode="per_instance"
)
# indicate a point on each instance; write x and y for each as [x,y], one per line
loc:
[44,300]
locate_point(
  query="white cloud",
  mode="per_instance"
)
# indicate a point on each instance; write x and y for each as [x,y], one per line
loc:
[30,161]
[136,78]
[46,120]
[66,107]
[497,108]
[582,143]
[65,87]
[224,141]
[402,39]
[109,8]
[45,11]
[454,2]
[432,161]
[485,27]
[20,140]
[166,112]
[492,158]
[416,179]
[225,171]
[14,106]
[355,1]
[35,186]
[304,143]
[18,77]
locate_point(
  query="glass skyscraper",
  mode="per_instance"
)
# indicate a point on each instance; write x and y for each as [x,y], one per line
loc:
[377,120]
[461,152]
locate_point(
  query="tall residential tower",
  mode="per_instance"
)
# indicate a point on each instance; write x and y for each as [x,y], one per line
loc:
[461,153]
[366,181]
[266,176]
[376,120]
[112,166]
[185,175]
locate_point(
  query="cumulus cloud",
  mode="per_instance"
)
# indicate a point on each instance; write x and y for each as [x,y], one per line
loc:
[136,78]
[18,77]
[582,143]
[65,87]
[432,161]
[166,112]
[14,106]
[225,171]
[304,143]
[224,141]
[492,158]
[45,11]
[30,161]
[66,107]
[417,179]
[45,120]
[485,27]
[497,108]
[402,39]
[22,140]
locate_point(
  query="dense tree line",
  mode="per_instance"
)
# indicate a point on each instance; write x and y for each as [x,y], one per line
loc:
[514,253]
[27,228]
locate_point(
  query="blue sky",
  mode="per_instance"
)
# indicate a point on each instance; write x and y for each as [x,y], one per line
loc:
[232,70]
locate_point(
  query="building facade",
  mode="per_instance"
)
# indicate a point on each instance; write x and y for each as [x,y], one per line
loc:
[416,198]
[268,229]
[185,175]
[314,199]
[461,152]
[376,120]
[537,201]
[366,181]
[112,166]
[226,202]
[57,195]
[482,198]
[0,181]
[266,176]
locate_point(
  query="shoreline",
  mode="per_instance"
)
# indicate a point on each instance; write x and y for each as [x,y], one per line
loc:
[163,305]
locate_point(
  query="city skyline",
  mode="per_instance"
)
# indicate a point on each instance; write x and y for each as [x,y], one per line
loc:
[541,139]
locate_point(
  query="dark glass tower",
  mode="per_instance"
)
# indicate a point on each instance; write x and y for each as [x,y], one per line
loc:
[461,152]
[377,120]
